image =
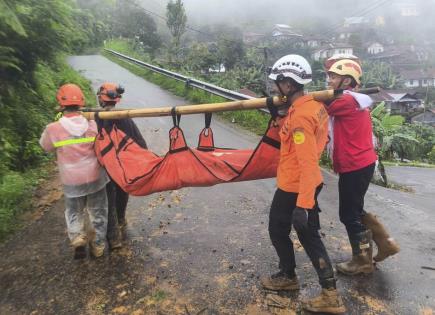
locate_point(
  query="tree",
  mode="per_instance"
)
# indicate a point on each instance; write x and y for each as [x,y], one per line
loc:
[199,58]
[176,21]
[230,47]
[132,22]
[32,35]
[380,74]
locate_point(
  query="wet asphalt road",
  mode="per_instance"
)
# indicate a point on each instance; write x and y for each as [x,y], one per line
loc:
[203,249]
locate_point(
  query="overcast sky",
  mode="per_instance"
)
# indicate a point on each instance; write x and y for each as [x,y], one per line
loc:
[245,13]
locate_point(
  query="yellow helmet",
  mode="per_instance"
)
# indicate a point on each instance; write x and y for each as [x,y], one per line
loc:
[347,67]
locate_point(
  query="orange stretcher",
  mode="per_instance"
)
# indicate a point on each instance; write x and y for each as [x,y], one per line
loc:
[140,172]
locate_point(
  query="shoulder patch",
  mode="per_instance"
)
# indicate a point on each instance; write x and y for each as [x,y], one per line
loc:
[298,136]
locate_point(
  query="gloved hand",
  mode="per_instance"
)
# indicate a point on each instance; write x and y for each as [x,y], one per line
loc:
[300,218]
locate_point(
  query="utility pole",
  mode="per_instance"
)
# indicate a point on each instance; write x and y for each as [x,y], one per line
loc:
[266,71]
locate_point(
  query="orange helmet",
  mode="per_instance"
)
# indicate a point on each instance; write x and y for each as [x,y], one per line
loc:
[110,92]
[70,95]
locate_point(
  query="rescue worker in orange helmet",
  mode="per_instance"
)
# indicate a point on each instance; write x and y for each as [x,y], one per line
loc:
[299,180]
[109,94]
[83,179]
[354,159]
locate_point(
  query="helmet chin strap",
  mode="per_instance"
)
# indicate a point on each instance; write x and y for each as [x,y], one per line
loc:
[286,97]
[340,86]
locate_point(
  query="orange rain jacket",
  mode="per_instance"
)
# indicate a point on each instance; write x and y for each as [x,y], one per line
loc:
[303,137]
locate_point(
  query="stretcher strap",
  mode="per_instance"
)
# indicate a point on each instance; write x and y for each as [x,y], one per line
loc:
[175,118]
[272,109]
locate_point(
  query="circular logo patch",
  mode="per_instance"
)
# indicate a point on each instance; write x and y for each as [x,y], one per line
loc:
[298,137]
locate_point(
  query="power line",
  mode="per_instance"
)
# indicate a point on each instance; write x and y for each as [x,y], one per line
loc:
[354,13]
[365,12]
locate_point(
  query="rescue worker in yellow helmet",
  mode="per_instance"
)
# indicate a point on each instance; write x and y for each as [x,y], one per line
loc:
[299,180]
[354,158]
[109,94]
[84,180]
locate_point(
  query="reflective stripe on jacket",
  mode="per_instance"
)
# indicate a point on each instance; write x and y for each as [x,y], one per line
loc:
[62,143]
[303,138]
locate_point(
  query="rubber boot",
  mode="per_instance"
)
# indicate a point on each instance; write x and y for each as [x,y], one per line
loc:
[387,246]
[328,301]
[362,251]
[280,281]
[79,245]
[116,241]
[96,248]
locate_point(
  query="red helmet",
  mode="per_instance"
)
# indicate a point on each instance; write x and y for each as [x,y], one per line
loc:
[337,57]
[70,95]
[110,92]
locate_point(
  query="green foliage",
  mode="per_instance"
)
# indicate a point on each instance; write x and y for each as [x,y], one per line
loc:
[231,49]
[379,74]
[431,155]
[129,20]
[407,141]
[254,121]
[199,59]
[34,35]
[15,190]
[12,188]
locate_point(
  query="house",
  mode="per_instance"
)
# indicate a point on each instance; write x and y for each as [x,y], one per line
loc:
[407,8]
[427,117]
[406,54]
[375,48]
[313,41]
[418,77]
[355,21]
[329,50]
[399,102]
[351,25]
[251,37]
[283,31]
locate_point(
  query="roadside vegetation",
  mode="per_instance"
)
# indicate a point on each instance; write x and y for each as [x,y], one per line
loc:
[35,38]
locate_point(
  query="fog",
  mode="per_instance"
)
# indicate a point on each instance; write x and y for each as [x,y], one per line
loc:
[253,15]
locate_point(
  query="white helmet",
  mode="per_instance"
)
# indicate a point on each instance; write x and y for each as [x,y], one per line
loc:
[292,66]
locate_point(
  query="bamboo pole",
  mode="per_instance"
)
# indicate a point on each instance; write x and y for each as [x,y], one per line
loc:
[255,103]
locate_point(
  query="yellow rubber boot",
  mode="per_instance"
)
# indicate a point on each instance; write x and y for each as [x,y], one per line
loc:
[387,246]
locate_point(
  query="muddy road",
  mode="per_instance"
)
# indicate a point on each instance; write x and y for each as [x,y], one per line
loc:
[202,250]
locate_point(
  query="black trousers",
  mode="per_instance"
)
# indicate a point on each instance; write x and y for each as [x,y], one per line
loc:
[352,187]
[117,203]
[280,223]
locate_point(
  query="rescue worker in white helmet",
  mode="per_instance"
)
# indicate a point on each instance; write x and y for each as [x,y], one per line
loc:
[354,159]
[299,180]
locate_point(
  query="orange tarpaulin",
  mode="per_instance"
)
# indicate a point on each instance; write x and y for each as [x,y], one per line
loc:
[140,172]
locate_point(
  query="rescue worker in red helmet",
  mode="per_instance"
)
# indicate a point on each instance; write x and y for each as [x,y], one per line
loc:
[303,137]
[354,159]
[109,94]
[84,180]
